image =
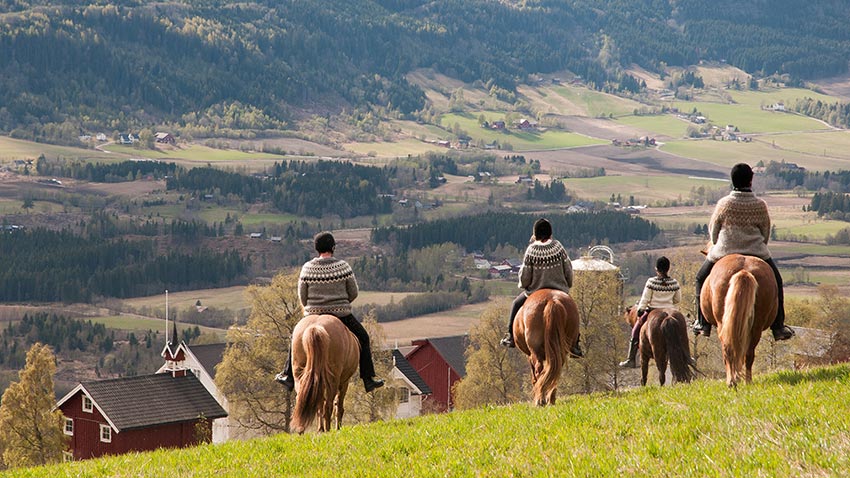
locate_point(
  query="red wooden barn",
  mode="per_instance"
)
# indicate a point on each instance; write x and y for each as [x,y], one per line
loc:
[440,362]
[110,417]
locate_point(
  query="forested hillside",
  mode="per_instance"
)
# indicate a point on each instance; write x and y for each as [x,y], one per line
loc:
[70,65]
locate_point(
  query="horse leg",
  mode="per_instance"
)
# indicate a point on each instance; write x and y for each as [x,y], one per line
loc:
[340,403]
[661,365]
[748,372]
[644,367]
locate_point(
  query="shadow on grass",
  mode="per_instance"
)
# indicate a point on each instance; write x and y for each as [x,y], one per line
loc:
[839,373]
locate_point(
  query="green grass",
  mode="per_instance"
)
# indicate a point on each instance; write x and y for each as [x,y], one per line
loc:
[750,118]
[392,149]
[773,95]
[519,140]
[725,153]
[784,425]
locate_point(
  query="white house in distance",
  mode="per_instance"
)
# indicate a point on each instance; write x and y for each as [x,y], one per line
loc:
[413,389]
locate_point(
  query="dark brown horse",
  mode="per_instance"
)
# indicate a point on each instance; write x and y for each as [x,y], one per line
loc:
[740,297]
[324,357]
[545,329]
[663,337]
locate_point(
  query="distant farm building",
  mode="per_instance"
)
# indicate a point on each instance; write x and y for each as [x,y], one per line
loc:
[165,138]
[441,363]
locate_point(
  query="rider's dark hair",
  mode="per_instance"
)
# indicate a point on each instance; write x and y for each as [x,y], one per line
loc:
[324,242]
[742,176]
[542,229]
[662,265]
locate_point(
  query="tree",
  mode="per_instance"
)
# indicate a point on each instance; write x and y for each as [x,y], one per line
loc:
[494,375]
[256,352]
[603,333]
[31,431]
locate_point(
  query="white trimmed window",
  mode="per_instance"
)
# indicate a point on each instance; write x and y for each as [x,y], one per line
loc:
[87,404]
[404,395]
[105,434]
[69,426]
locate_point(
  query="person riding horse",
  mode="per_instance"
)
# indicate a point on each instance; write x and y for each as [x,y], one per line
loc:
[327,286]
[546,265]
[661,291]
[740,225]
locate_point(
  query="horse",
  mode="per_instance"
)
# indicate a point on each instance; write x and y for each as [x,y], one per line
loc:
[324,357]
[740,297]
[663,337]
[545,329]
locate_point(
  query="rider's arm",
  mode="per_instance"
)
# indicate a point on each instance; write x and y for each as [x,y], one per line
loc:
[646,297]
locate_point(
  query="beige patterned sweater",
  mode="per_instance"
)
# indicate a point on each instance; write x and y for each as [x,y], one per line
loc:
[546,265]
[740,225]
[327,286]
[660,293]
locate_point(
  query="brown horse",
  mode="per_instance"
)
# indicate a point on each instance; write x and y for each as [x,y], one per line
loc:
[663,337]
[740,297]
[545,329]
[324,357]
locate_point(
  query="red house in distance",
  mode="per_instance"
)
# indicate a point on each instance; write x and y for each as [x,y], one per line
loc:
[440,362]
[111,417]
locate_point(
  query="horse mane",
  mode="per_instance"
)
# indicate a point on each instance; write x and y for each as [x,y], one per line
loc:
[315,388]
[738,316]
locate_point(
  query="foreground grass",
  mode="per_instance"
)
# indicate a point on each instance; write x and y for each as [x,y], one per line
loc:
[790,424]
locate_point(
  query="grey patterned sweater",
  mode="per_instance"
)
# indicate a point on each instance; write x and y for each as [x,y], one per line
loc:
[327,285]
[740,225]
[546,265]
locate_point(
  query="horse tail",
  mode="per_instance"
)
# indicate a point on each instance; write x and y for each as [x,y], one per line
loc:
[555,347]
[315,386]
[677,351]
[738,316]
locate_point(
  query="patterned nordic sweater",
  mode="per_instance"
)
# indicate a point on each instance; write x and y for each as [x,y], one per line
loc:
[660,293]
[327,286]
[546,265]
[740,225]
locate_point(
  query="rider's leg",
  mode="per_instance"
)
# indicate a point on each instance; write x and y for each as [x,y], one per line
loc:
[508,341]
[631,360]
[286,378]
[367,368]
[702,326]
[779,329]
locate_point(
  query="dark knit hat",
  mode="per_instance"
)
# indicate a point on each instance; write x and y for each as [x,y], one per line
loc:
[324,242]
[662,265]
[542,229]
[742,176]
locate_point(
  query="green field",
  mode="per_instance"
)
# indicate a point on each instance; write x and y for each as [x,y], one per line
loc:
[392,149]
[193,153]
[726,153]
[645,189]
[12,149]
[519,140]
[789,424]
[594,103]
[830,147]
[768,96]
[667,125]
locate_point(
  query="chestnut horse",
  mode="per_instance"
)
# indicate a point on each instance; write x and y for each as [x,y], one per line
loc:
[740,297]
[663,337]
[545,329]
[324,357]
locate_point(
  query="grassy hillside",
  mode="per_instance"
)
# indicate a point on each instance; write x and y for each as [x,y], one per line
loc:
[790,424]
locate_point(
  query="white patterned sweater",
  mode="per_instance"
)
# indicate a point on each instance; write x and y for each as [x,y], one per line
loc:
[660,293]
[546,265]
[327,285]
